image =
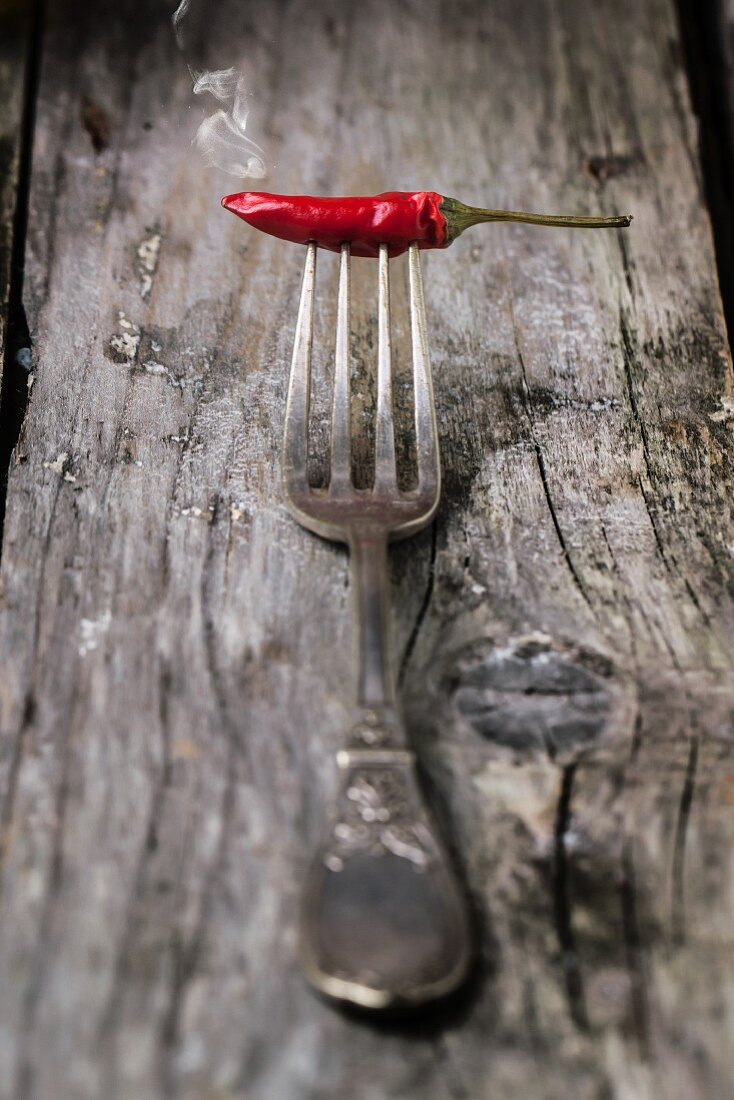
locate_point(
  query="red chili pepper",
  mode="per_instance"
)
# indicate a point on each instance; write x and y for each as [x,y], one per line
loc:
[394,218]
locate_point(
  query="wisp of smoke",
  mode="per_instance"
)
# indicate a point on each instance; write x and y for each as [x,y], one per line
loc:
[178,18]
[221,138]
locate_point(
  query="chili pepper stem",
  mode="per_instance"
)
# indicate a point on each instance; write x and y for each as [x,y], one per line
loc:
[459,217]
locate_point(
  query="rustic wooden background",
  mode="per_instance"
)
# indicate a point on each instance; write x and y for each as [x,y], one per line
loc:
[175,654]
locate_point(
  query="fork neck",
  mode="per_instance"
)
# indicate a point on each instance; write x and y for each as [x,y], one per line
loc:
[379,723]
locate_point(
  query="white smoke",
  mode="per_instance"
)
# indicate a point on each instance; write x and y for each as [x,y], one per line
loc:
[178,18]
[221,138]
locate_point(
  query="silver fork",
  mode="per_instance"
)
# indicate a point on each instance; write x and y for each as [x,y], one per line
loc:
[384,923]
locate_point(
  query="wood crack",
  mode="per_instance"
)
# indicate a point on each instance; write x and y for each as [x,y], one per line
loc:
[219,688]
[422,610]
[22,735]
[557,526]
[527,405]
[678,910]
[626,264]
[666,556]
[7,806]
[562,904]
[634,950]
[621,592]
[629,359]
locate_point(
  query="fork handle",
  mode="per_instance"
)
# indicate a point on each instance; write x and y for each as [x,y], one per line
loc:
[376,693]
[384,922]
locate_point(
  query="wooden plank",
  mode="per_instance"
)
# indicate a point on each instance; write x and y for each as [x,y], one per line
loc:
[175,649]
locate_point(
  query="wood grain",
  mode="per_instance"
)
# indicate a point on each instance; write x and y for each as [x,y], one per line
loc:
[176,651]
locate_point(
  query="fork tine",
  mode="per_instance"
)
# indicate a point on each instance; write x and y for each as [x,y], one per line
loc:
[295,441]
[385,475]
[426,428]
[340,477]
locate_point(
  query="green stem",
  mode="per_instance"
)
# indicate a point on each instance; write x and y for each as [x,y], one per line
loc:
[459,217]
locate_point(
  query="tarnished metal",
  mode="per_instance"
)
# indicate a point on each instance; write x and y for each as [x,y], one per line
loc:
[384,921]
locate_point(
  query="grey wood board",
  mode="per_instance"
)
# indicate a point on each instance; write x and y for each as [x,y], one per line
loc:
[176,655]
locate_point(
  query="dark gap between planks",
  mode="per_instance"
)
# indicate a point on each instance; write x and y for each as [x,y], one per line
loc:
[18,352]
[702,27]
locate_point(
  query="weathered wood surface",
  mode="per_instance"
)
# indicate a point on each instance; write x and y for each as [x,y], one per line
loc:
[175,650]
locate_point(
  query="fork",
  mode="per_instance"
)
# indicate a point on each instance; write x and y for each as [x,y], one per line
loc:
[384,923]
